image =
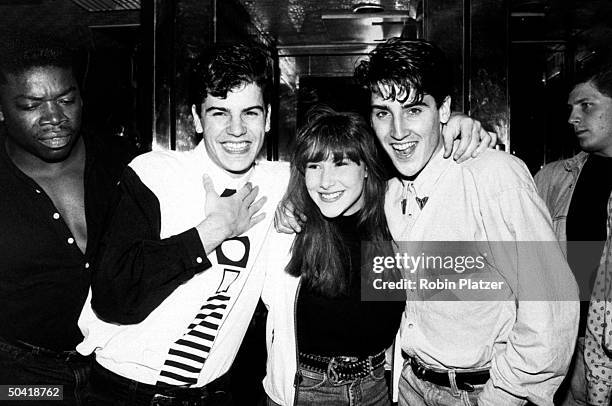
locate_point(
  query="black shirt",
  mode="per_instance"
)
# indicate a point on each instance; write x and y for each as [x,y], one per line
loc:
[586,221]
[345,325]
[44,277]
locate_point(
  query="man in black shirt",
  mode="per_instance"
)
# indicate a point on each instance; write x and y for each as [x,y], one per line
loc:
[55,186]
[578,192]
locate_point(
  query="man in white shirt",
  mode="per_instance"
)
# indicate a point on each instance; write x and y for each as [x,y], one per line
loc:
[508,350]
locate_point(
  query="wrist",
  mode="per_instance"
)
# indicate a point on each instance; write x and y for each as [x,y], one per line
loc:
[215,229]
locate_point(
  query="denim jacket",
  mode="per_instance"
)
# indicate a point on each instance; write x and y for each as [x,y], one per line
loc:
[556,182]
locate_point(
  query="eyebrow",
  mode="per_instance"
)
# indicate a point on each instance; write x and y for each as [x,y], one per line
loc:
[581,100]
[257,107]
[404,106]
[36,98]
[414,104]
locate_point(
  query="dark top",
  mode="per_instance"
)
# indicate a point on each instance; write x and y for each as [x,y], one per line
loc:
[586,221]
[45,279]
[135,269]
[345,325]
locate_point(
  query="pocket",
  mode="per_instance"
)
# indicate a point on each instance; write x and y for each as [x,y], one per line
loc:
[312,380]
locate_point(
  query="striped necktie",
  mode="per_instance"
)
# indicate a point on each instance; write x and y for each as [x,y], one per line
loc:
[188,354]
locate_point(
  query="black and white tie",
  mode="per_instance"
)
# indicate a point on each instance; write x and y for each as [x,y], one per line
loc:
[188,354]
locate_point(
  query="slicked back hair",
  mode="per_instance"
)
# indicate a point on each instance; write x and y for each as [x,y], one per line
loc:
[400,69]
[597,71]
[228,67]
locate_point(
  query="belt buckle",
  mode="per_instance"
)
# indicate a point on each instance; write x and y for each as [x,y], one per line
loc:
[161,400]
[419,369]
[468,387]
[331,370]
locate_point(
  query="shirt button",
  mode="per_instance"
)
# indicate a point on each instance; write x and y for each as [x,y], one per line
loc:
[86,265]
[70,240]
[410,325]
[37,191]
[56,216]
[199,260]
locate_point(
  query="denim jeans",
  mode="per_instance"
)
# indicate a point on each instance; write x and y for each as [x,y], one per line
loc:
[317,389]
[19,366]
[109,389]
[415,392]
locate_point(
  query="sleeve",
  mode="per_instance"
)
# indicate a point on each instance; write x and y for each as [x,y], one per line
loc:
[598,336]
[534,361]
[134,270]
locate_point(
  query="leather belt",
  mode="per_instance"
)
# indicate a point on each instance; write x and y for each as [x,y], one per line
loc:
[465,380]
[342,368]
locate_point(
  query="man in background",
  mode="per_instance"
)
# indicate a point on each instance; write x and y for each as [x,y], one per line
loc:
[55,183]
[578,192]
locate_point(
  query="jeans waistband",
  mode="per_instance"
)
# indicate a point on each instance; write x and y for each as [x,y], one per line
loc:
[158,394]
[464,380]
[33,349]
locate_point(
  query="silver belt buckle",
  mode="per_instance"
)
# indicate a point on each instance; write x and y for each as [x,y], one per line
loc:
[161,400]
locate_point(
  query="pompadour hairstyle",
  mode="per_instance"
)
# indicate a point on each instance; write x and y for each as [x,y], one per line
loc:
[226,67]
[414,67]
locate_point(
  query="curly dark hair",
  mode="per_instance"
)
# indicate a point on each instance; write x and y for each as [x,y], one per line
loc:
[318,254]
[227,67]
[414,67]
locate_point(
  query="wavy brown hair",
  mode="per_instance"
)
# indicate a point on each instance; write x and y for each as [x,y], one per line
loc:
[319,255]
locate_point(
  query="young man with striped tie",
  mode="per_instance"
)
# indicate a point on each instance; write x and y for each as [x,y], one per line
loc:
[179,273]
[175,285]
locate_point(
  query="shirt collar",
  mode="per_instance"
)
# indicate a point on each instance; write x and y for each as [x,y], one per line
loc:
[576,162]
[425,182]
[220,178]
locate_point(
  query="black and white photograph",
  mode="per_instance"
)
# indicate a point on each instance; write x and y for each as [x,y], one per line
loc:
[306,202]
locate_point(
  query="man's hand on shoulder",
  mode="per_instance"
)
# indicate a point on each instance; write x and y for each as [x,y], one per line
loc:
[230,216]
[286,219]
[473,139]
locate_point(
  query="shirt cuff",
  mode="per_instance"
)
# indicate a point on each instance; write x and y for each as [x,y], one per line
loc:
[492,396]
[195,256]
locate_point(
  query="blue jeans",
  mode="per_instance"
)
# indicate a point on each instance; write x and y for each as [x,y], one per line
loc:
[19,366]
[318,389]
[415,392]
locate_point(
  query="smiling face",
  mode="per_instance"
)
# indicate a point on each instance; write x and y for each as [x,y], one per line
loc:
[410,131]
[336,187]
[234,127]
[591,117]
[41,108]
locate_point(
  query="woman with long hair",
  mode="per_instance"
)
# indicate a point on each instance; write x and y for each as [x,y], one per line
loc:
[325,345]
